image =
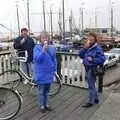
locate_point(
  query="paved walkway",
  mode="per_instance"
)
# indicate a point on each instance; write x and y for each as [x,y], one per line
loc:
[110,110]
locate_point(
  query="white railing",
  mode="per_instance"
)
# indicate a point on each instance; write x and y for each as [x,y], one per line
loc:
[5,62]
[72,70]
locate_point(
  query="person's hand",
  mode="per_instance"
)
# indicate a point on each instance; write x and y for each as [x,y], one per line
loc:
[23,40]
[90,59]
[45,47]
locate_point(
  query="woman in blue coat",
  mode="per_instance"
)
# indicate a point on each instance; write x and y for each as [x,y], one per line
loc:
[44,58]
[92,55]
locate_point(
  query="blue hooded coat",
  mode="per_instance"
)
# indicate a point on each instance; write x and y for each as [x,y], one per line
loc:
[45,64]
[96,53]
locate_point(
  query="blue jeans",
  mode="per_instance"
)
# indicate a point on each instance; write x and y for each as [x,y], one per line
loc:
[26,68]
[92,89]
[43,90]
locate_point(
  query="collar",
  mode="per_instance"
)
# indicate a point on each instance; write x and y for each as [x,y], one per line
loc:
[93,46]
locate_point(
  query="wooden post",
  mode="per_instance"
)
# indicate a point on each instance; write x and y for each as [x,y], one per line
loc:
[59,60]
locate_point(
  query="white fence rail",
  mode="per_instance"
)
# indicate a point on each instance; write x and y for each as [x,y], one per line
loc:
[72,70]
[6,63]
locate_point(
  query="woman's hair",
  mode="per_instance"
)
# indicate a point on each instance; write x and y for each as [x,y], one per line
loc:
[93,35]
[44,34]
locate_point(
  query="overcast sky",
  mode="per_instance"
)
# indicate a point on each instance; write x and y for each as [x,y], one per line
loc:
[8,13]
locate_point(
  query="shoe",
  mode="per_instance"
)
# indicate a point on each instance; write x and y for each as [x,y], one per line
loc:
[96,101]
[42,110]
[87,105]
[48,108]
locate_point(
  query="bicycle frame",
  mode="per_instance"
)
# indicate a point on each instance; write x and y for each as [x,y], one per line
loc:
[30,81]
[16,56]
[22,73]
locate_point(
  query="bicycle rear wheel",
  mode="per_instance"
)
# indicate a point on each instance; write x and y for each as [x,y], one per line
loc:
[10,103]
[56,86]
[10,78]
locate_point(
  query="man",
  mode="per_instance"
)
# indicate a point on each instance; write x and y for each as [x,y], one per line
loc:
[25,43]
[92,55]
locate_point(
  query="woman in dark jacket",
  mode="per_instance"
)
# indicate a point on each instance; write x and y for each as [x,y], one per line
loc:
[92,55]
[44,58]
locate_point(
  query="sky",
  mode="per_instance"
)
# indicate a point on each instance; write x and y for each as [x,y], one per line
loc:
[102,8]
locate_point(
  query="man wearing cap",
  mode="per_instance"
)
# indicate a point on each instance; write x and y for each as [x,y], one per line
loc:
[25,43]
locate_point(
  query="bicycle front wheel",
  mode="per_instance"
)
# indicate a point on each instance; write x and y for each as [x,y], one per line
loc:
[56,85]
[10,78]
[10,103]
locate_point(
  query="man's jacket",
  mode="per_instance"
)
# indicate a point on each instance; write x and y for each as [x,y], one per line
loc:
[28,45]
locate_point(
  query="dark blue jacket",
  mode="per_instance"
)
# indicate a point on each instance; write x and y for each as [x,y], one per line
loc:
[44,64]
[96,53]
[28,45]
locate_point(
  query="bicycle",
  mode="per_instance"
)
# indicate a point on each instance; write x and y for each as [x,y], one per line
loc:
[10,103]
[15,77]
